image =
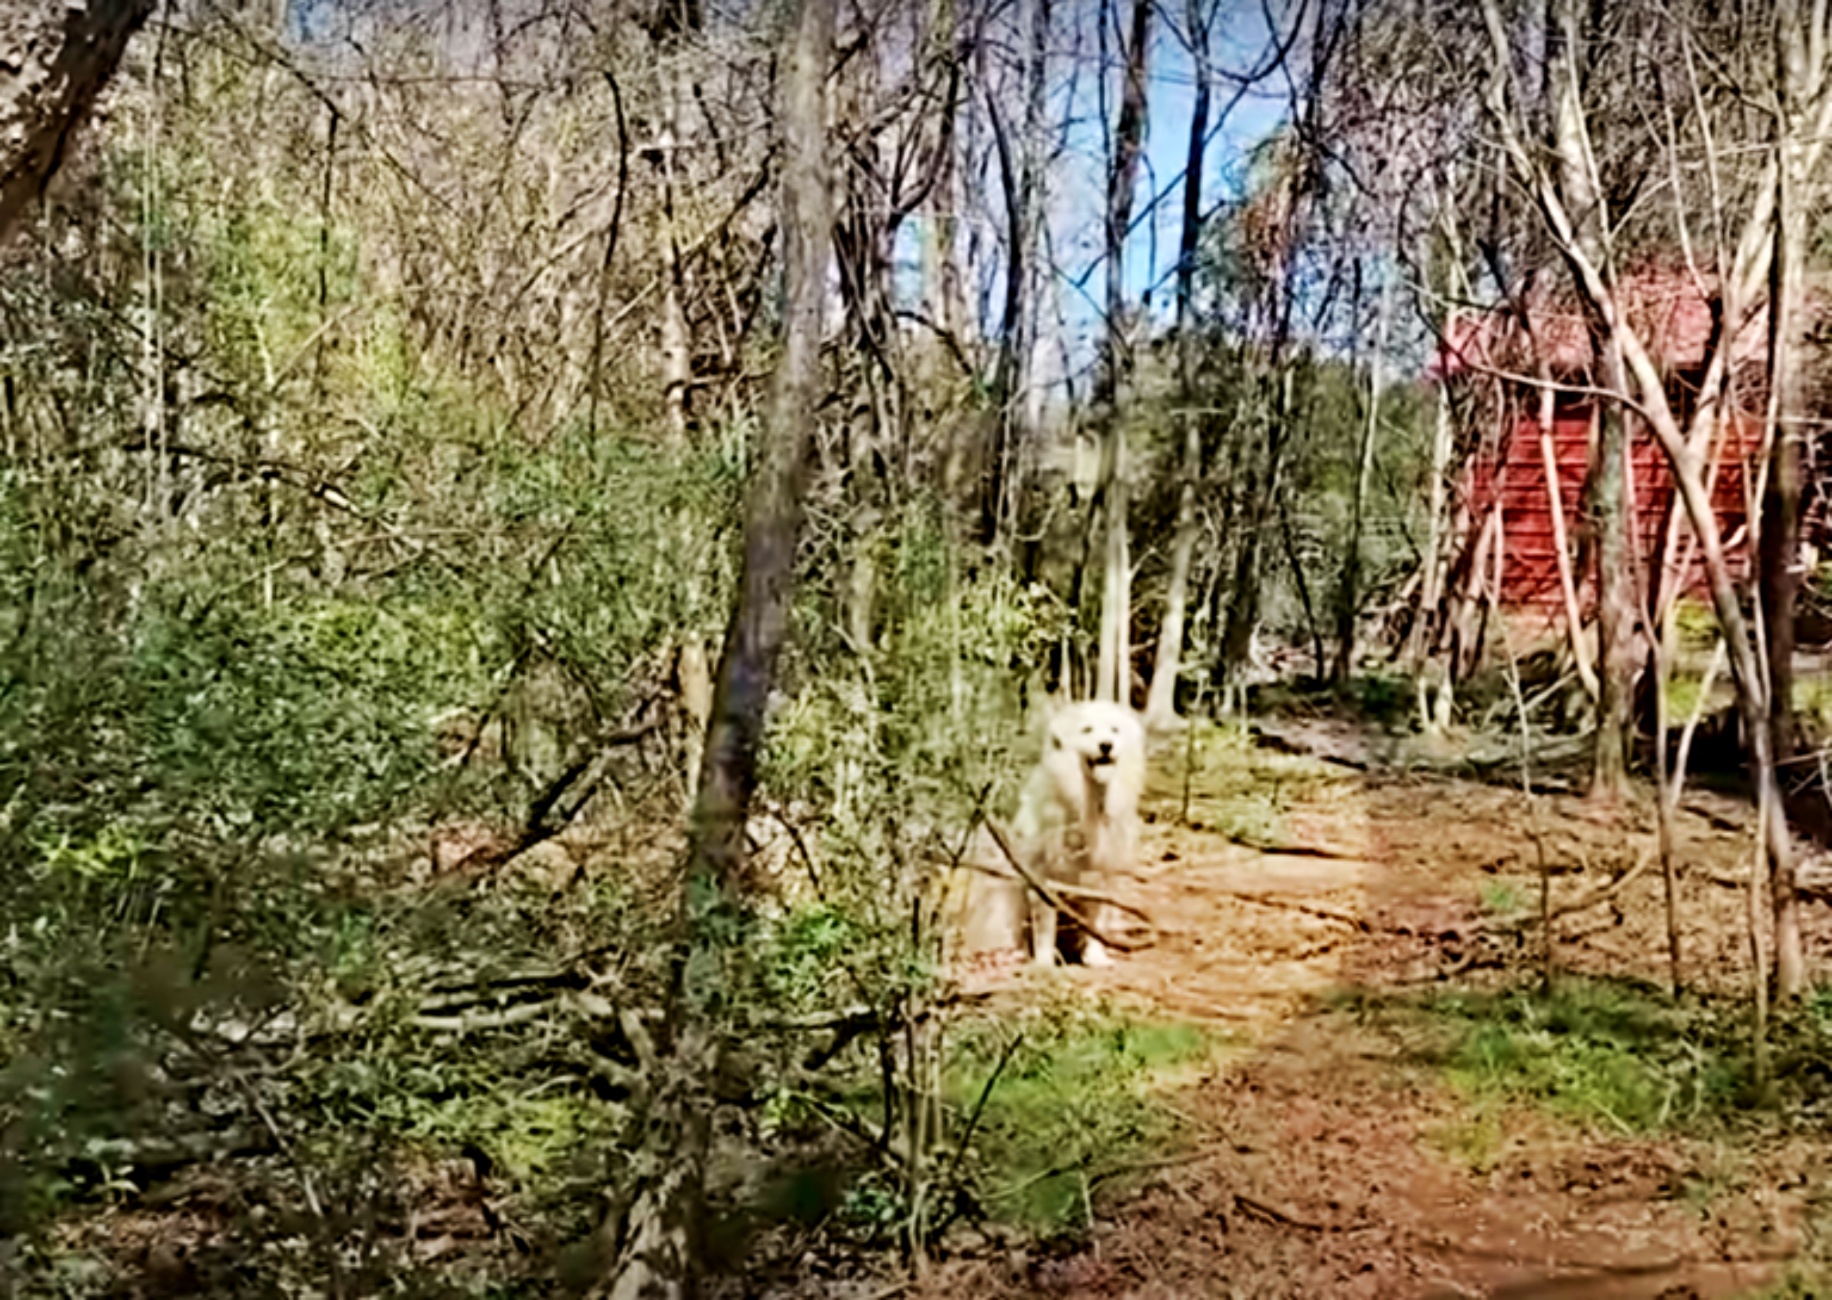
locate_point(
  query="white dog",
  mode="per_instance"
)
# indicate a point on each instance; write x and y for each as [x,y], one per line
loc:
[1086,788]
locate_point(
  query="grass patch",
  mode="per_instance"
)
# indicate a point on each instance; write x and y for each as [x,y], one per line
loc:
[1501,898]
[1813,699]
[1076,1105]
[1476,1138]
[1682,698]
[1238,789]
[1594,1051]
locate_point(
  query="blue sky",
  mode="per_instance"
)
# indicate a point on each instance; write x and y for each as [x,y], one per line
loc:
[1239,41]
[1079,200]
[1078,188]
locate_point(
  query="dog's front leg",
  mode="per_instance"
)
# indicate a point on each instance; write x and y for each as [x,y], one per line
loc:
[1043,920]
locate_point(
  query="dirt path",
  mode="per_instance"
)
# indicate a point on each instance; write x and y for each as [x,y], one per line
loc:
[1334,1164]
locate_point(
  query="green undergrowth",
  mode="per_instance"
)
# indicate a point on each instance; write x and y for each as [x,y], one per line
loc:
[1079,1104]
[1046,1109]
[1592,1052]
[1234,787]
[1380,699]
[1610,1054]
[1501,898]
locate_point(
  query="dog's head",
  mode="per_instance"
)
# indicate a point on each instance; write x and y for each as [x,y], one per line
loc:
[1097,733]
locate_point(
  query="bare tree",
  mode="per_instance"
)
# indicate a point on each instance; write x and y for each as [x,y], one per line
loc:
[649,1250]
[1200,19]
[1113,674]
[1576,176]
[60,56]
[1798,83]
[1348,591]
[1026,198]
[676,21]
[1161,699]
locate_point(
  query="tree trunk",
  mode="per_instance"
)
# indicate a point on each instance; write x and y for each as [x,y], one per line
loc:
[773,515]
[62,55]
[1615,589]
[1262,487]
[1420,637]
[1113,676]
[1348,591]
[1789,406]
[679,17]
[1012,377]
[1616,603]
[648,1251]
[1561,542]
[1161,701]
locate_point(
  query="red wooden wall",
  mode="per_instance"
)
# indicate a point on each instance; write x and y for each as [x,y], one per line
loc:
[1515,475]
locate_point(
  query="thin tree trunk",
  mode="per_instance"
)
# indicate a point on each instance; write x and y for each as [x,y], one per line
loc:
[1113,671]
[676,345]
[1113,674]
[1555,505]
[648,1252]
[1296,562]
[1583,196]
[1443,437]
[1013,377]
[1615,590]
[1434,610]
[774,509]
[1437,499]
[1161,702]
[940,271]
[61,56]
[1788,408]
[1261,491]
[1348,591]
[1663,810]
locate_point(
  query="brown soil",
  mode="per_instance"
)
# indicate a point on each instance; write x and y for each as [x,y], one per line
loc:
[1331,1165]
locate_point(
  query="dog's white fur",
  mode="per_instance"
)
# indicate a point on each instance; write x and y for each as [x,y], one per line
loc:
[1086,788]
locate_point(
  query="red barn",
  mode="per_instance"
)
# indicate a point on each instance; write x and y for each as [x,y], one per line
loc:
[1513,532]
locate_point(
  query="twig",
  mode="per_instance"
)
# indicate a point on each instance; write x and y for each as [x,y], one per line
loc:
[1299,851]
[1083,892]
[1163,1162]
[973,1121]
[801,847]
[853,1126]
[582,779]
[1048,894]
[1272,1214]
[1512,924]
[1310,909]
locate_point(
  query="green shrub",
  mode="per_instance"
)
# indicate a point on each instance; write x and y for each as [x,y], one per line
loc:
[1594,1051]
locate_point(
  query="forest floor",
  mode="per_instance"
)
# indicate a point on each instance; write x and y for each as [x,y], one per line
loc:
[1380,1101]
[1339,1149]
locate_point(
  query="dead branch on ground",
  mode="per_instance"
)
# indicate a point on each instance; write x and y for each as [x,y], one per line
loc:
[1052,894]
[1602,894]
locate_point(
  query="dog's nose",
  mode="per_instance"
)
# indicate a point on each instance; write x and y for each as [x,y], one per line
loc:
[1106,749]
